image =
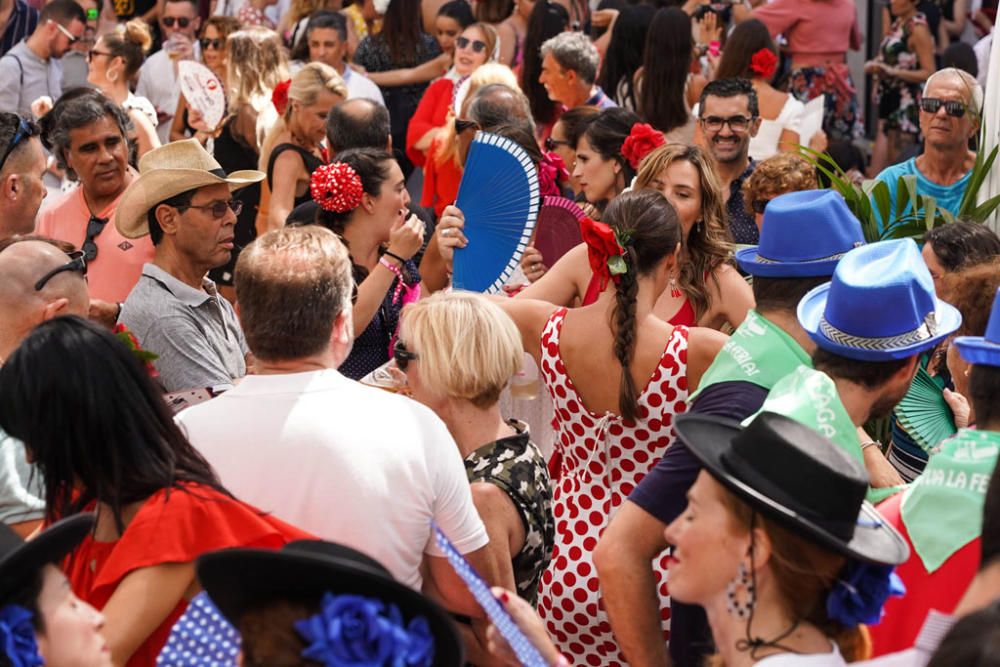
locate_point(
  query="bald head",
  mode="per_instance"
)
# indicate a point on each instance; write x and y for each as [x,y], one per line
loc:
[497,104]
[22,307]
[357,123]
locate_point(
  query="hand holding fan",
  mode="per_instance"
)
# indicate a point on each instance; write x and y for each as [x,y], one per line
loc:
[558,228]
[203,91]
[924,413]
[499,198]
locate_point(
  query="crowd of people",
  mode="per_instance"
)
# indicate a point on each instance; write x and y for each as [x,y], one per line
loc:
[246,418]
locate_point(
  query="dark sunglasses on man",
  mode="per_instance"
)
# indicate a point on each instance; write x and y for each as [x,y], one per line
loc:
[94,227]
[76,262]
[24,131]
[953,108]
[217,208]
[182,21]
[478,46]
[73,39]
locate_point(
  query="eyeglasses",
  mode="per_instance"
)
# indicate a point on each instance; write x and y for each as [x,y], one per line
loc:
[953,108]
[73,39]
[462,125]
[182,21]
[735,123]
[218,208]
[402,356]
[95,52]
[76,262]
[478,46]
[24,130]
[94,227]
[207,43]
[551,144]
[758,205]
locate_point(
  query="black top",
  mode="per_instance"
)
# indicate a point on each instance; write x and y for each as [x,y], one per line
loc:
[311,163]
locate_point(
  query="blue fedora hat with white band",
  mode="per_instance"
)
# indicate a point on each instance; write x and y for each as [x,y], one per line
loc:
[804,235]
[879,306]
[983,350]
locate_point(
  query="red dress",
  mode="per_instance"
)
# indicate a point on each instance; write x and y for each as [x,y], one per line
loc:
[441,181]
[604,457]
[941,590]
[431,112]
[174,528]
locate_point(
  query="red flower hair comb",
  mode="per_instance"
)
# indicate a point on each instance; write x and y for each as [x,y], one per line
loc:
[336,187]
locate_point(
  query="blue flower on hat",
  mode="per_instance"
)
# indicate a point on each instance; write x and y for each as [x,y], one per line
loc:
[352,630]
[18,637]
[860,593]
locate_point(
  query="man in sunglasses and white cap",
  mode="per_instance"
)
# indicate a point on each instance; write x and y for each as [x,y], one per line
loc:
[184,201]
[950,115]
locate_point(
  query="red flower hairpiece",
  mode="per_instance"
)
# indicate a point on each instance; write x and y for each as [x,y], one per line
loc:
[279,96]
[551,172]
[604,252]
[640,142]
[764,63]
[336,187]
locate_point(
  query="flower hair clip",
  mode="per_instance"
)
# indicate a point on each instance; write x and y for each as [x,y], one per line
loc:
[764,63]
[356,630]
[17,637]
[640,142]
[605,251]
[279,96]
[860,592]
[336,187]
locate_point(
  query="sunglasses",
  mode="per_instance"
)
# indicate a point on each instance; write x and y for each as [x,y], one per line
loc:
[94,227]
[182,22]
[76,262]
[758,205]
[24,131]
[207,43]
[551,144]
[462,125]
[218,208]
[735,123]
[402,356]
[478,46]
[95,52]
[951,107]
[73,39]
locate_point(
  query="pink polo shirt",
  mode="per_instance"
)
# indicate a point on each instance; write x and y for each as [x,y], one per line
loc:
[118,265]
[813,26]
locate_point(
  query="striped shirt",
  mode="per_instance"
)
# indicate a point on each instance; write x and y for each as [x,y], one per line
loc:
[20,24]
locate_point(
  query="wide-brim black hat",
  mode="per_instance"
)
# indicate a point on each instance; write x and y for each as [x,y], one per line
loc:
[20,558]
[794,475]
[239,579]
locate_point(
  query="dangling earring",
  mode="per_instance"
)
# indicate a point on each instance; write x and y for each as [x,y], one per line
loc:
[741,580]
[697,227]
[674,290]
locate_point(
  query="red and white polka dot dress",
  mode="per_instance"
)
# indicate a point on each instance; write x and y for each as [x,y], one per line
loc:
[603,459]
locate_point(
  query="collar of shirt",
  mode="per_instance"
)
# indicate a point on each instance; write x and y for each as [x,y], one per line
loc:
[184,293]
[596,98]
[737,184]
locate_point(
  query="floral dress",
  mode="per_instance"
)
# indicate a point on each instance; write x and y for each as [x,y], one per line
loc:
[898,100]
[603,458]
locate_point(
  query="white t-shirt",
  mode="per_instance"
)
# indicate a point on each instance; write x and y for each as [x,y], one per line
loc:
[348,463]
[359,85]
[831,659]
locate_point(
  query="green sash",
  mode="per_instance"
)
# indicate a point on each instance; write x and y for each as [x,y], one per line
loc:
[758,352]
[943,508]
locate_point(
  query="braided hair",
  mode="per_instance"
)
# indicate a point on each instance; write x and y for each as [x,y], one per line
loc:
[649,226]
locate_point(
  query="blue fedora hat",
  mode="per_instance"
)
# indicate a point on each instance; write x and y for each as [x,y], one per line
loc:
[984,350]
[879,306]
[804,235]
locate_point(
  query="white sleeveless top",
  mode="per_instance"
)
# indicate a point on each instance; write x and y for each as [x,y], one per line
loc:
[765,144]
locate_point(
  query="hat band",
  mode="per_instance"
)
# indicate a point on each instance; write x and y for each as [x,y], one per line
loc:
[220,172]
[767,260]
[926,331]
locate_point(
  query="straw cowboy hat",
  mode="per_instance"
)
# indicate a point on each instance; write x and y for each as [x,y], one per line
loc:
[168,171]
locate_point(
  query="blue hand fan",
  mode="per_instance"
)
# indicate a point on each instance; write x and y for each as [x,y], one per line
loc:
[521,645]
[499,197]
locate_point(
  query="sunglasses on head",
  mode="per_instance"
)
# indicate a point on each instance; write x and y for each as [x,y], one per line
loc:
[402,356]
[218,208]
[953,108]
[76,262]
[210,43]
[477,45]
[182,21]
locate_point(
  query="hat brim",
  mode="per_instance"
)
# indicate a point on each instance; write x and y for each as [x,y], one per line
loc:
[978,350]
[159,184]
[49,546]
[239,579]
[874,540]
[813,305]
[750,262]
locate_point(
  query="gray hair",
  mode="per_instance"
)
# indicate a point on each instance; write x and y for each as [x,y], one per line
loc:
[495,104]
[76,109]
[575,51]
[975,91]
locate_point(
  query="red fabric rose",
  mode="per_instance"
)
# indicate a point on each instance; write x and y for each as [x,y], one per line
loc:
[279,96]
[551,172]
[640,142]
[601,246]
[336,187]
[764,63]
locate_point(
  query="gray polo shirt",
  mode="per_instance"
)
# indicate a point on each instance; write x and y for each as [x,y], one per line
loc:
[195,332]
[24,77]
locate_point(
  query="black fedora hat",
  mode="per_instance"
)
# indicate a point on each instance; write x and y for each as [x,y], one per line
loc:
[20,558]
[240,579]
[792,474]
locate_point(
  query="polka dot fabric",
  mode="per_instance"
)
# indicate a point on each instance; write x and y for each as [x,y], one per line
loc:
[202,637]
[603,459]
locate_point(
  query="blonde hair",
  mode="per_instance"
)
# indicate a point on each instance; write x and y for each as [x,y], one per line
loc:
[300,9]
[468,347]
[485,75]
[307,85]
[777,175]
[709,243]
[129,42]
[255,64]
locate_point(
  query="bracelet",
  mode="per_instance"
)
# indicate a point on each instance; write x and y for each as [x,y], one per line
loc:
[870,443]
[392,267]
[394,256]
[715,48]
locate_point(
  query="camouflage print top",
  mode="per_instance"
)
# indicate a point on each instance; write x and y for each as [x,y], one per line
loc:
[516,466]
